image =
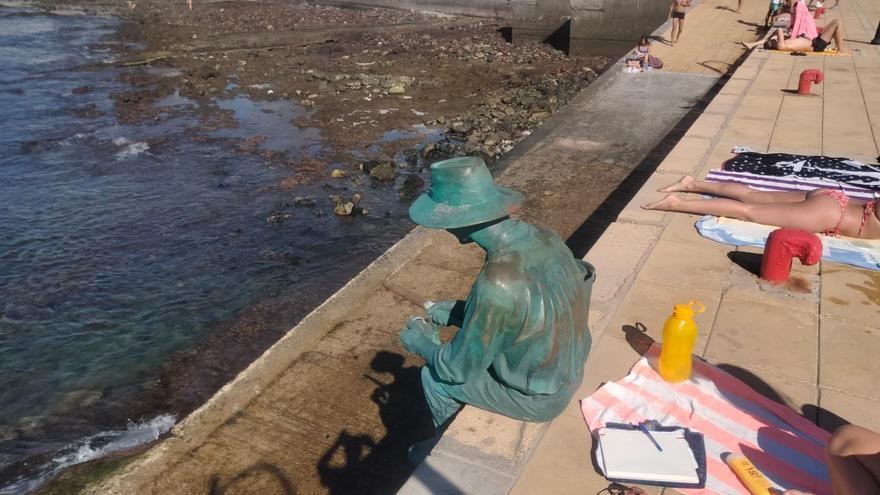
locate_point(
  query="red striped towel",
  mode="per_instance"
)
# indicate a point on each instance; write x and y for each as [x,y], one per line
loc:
[785,446]
[768,183]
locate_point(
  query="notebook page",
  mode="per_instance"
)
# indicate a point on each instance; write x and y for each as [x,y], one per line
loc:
[630,454]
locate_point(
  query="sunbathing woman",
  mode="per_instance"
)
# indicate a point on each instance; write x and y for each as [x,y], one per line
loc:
[822,210]
[833,32]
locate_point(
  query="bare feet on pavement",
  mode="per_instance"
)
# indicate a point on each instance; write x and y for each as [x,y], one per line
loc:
[685,184]
[665,204]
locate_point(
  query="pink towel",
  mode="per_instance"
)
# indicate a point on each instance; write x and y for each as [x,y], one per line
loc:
[802,22]
[732,417]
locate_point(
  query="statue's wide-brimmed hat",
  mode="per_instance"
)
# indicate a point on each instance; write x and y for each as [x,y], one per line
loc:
[462,194]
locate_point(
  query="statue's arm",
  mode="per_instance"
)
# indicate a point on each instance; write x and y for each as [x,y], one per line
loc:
[485,329]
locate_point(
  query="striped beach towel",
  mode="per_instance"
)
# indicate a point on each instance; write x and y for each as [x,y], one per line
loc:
[789,183]
[785,446]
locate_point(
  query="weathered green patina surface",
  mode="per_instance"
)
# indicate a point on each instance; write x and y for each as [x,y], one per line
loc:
[524,334]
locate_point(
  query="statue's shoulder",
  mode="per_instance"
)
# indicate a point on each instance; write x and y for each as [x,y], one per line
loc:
[502,274]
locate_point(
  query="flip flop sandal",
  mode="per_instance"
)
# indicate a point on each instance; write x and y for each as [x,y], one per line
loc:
[619,489]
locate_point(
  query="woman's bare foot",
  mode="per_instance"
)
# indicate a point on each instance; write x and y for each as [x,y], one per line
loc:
[685,184]
[666,204]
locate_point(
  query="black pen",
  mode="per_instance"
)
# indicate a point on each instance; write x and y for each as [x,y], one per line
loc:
[647,432]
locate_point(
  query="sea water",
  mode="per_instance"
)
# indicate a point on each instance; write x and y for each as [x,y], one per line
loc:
[124,244]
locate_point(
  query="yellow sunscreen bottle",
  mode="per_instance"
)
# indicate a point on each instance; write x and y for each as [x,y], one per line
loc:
[754,481]
[679,337]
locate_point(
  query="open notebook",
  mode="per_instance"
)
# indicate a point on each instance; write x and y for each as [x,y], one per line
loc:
[630,455]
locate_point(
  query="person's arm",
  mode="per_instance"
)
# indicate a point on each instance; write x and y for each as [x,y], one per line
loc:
[489,317]
[671,7]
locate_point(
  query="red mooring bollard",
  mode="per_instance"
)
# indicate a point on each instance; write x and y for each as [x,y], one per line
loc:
[808,77]
[782,246]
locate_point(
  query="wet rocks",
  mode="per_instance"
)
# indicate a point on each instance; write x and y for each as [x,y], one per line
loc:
[345,208]
[384,84]
[303,202]
[293,181]
[88,111]
[277,216]
[381,168]
[412,187]
[383,171]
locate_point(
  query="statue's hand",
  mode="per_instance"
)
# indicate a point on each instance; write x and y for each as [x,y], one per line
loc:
[420,337]
[445,313]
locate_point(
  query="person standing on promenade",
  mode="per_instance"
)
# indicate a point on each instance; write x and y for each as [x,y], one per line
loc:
[524,335]
[676,14]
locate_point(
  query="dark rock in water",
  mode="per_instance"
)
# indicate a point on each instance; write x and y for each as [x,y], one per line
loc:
[303,202]
[411,188]
[349,208]
[276,216]
[428,149]
[411,156]
[82,90]
[383,171]
[88,111]
[368,165]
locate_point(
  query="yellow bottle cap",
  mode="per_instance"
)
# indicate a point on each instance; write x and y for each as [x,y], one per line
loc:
[685,311]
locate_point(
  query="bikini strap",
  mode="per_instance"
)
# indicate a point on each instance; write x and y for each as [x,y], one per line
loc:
[870,206]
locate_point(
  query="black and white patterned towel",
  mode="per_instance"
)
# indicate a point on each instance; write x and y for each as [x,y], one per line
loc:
[808,167]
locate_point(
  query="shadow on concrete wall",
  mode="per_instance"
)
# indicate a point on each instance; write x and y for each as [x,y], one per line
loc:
[359,464]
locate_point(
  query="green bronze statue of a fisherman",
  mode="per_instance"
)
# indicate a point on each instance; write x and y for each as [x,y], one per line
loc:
[523,336]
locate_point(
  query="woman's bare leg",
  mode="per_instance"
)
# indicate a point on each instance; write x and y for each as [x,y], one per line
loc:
[817,214]
[675,29]
[738,192]
[854,461]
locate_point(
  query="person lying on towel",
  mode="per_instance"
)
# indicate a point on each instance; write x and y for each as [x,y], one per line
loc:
[826,211]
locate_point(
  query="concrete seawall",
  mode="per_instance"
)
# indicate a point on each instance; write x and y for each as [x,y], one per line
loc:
[598,27]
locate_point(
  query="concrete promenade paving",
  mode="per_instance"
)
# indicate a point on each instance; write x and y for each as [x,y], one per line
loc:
[814,350]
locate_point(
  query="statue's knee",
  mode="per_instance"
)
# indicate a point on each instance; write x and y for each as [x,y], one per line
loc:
[426,376]
[429,383]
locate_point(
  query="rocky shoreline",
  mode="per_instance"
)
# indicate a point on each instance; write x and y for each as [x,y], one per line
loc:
[362,73]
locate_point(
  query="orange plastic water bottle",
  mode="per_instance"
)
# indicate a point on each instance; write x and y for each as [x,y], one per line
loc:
[679,337]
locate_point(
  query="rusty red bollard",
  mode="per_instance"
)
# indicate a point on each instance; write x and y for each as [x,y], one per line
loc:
[782,246]
[819,12]
[808,77]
